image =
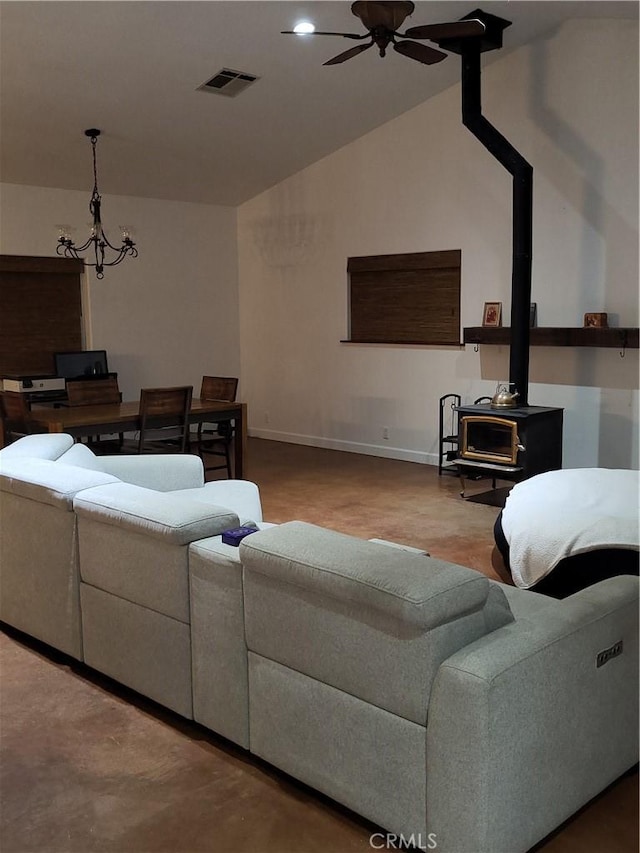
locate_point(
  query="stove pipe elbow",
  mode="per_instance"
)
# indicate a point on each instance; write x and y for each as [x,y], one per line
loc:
[522,213]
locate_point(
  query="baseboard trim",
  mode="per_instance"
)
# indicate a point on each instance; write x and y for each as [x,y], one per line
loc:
[399,453]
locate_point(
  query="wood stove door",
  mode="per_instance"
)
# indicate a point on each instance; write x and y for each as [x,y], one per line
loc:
[489,439]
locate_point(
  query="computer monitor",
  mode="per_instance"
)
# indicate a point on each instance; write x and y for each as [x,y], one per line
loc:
[82,364]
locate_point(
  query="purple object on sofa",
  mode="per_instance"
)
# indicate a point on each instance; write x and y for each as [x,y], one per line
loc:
[234,537]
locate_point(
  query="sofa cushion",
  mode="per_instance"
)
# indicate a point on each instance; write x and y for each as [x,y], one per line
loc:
[42,446]
[163,515]
[411,587]
[168,472]
[48,482]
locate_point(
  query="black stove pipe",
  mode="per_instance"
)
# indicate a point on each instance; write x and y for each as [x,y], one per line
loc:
[522,172]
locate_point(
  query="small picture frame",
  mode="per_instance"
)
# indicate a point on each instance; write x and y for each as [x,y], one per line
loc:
[492,314]
[595,321]
[533,315]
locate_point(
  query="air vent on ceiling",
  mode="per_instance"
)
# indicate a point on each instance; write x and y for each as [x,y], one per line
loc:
[228,82]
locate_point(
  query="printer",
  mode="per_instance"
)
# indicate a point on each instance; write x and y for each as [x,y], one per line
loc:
[32,384]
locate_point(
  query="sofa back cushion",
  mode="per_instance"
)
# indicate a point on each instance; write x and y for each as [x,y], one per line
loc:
[134,543]
[41,446]
[81,456]
[373,621]
[48,482]
[177,520]
[160,472]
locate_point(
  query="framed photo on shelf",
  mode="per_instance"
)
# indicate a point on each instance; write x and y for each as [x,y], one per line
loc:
[492,314]
[595,321]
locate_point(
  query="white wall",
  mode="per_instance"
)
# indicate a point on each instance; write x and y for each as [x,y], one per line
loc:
[569,104]
[165,318]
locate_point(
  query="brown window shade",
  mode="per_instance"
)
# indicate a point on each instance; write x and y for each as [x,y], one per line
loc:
[40,312]
[405,299]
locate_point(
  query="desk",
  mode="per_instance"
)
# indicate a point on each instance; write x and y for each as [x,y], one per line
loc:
[124,417]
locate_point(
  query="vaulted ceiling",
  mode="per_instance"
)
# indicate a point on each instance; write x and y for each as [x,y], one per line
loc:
[133,70]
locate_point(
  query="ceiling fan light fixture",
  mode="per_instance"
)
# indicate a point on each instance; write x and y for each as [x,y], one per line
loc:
[382,21]
[304,28]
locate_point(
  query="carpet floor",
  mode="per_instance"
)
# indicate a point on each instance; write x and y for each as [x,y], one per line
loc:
[88,765]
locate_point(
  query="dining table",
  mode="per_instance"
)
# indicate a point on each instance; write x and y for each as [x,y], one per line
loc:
[82,421]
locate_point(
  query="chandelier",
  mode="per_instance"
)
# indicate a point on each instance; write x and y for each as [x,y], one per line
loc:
[98,241]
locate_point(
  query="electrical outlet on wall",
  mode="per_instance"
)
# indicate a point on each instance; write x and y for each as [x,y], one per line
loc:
[266,417]
[385,433]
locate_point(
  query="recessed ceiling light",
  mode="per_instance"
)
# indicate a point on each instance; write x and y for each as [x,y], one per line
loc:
[304,28]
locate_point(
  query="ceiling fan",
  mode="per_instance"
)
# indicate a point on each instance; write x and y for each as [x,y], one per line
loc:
[382,21]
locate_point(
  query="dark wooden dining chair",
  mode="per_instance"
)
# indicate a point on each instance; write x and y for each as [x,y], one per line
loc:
[215,439]
[164,419]
[94,392]
[16,416]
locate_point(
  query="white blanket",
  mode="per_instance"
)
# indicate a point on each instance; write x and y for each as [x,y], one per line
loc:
[563,513]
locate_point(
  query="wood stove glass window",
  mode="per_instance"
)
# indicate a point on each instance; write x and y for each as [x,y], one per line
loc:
[489,439]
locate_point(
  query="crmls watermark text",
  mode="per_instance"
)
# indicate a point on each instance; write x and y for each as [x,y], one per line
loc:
[390,841]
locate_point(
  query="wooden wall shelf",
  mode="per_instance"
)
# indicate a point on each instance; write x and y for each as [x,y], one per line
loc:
[622,338]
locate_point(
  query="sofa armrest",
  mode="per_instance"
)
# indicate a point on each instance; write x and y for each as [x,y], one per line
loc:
[531,721]
[165,472]
[240,496]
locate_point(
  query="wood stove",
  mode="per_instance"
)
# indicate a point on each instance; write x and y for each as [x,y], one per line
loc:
[512,444]
[509,443]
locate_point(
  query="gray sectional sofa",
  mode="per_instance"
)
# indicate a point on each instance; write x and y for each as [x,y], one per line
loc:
[446,708]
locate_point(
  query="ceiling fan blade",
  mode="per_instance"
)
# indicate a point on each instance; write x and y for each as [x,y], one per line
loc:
[318,33]
[455,30]
[419,52]
[353,51]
